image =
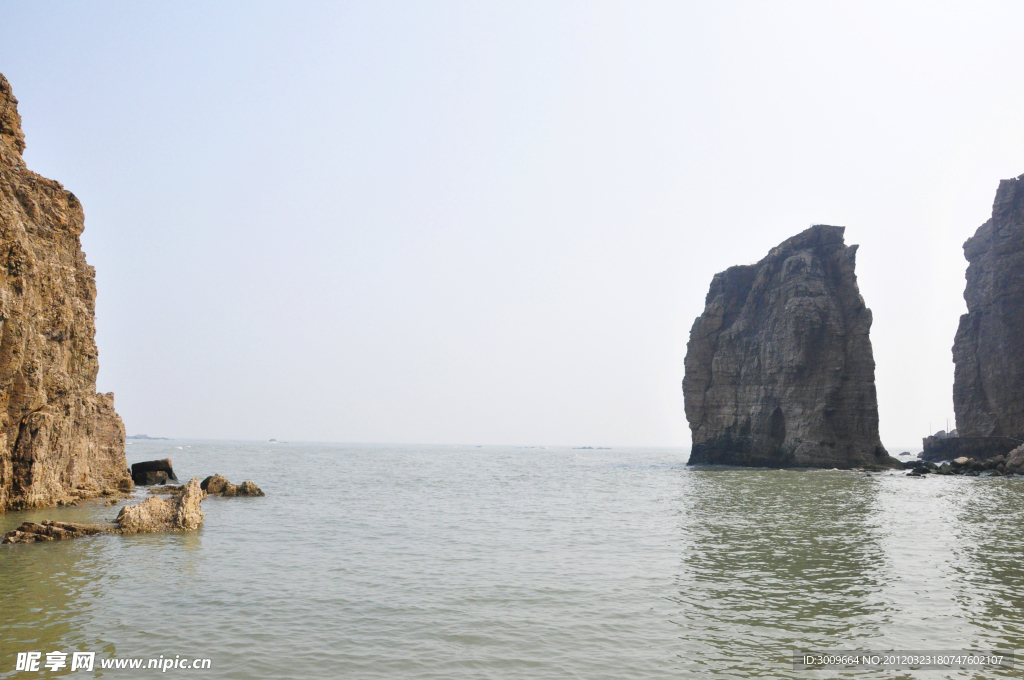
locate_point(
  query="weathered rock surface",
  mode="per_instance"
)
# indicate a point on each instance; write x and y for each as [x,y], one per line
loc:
[779,367]
[219,485]
[57,434]
[180,512]
[988,385]
[49,530]
[153,472]
[1014,464]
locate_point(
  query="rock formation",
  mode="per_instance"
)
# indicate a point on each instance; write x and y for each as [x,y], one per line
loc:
[218,484]
[153,472]
[988,384]
[779,369]
[1015,461]
[49,530]
[57,435]
[182,512]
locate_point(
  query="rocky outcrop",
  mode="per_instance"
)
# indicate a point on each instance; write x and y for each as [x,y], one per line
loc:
[153,472]
[947,448]
[49,530]
[1015,461]
[180,512]
[779,368]
[988,384]
[964,466]
[219,485]
[57,435]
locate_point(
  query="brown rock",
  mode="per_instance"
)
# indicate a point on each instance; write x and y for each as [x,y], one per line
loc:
[49,530]
[988,385]
[181,512]
[215,484]
[779,367]
[56,432]
[219,485]
[249,489]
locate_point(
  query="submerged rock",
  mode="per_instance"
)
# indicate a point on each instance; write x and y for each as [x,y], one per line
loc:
[988,385]
[49,530]
[219,485]
[166,489]
[779,367]
[149,472]
[57,435]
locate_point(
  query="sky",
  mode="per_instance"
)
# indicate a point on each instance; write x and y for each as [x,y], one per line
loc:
[494,223]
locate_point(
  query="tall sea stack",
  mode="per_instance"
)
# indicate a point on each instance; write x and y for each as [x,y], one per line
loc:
[779,369]
[988,385]
[59,439]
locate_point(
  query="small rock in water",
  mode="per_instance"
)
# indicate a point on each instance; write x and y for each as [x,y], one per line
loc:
[219,485]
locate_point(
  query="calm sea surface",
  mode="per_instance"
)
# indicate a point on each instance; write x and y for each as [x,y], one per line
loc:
[463,562]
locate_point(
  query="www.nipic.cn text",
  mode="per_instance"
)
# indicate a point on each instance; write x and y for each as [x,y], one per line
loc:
[86,661]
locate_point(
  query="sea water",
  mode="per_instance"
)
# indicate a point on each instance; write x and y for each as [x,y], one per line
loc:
[373,561]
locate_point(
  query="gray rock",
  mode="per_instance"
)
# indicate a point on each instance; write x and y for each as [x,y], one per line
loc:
[149,472]
[988,388]
[779,368]
[1014,464]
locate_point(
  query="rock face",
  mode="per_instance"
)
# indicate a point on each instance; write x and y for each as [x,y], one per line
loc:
[988,384]
[181,512]
[779,369]
[937,447]
[56,433]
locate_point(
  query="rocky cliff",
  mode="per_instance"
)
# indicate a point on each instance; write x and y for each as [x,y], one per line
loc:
[59,439]
[779,369]
[988,384]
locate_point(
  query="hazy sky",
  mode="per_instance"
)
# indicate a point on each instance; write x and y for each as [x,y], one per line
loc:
[491,223]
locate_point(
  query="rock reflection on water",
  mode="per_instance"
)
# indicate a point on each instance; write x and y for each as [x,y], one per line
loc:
[988,550]
[46,599]
[780,560]
[775,560]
